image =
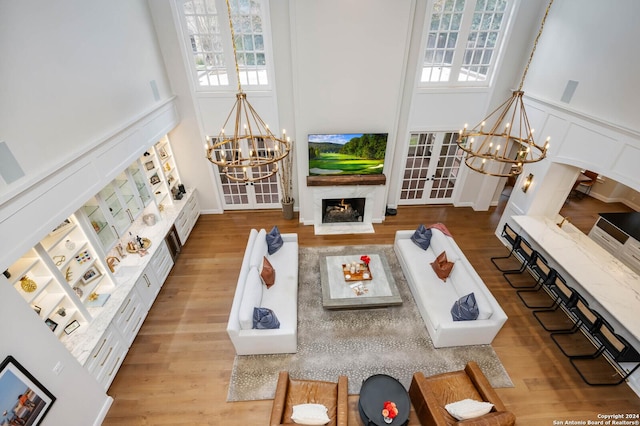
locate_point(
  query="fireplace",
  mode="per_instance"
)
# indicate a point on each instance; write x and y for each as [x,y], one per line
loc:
[351,209]
[341,210]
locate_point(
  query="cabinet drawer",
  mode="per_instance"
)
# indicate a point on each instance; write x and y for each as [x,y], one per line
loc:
[162,262]
[130,316]
[148,288]
[105,351]
[605,240]
[106,370]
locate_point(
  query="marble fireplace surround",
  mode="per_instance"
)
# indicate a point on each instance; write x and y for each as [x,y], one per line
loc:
[333,192]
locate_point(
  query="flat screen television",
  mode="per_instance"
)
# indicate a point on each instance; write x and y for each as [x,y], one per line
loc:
[347,154]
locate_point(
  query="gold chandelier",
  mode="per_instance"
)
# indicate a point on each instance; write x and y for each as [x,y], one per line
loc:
[253,152]
[503,142]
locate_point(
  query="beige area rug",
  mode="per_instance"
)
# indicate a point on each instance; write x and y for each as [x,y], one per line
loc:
[356,343]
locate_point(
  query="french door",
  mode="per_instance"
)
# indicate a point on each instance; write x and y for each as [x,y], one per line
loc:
[431,169]
[261,194]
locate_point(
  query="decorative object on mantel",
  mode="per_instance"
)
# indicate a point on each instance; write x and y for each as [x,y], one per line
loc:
[502,142]
[250,133]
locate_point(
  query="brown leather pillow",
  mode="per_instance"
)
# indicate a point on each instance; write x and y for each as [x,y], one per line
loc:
[442,267]
[267,273]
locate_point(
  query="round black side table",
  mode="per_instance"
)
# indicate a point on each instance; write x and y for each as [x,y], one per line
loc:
[374,392]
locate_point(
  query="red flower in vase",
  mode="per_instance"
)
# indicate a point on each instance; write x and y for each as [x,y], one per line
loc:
[365,259]
[389,409]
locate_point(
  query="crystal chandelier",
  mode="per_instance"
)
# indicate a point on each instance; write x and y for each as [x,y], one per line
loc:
[252,153]
[503,142]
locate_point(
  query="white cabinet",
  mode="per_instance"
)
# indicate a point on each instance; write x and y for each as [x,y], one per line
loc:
[161,262]
[60,277]
[605,240]
[188,217]
[148,286]
[130,316]
[617,242]
[630,254]
[112,211]
[168,165]
[106,357]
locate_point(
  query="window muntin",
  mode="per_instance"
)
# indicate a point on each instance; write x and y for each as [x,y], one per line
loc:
[210,47]
[462,41]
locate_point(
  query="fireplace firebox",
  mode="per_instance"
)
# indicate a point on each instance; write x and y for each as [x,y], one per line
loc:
[340,210]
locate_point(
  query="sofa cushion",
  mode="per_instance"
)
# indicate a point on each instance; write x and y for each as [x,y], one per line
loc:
[441,266]
[465,308]
[422,237]
[440,242]
[274,240]
[463,281]
[264,318]
[260,249]
[468,409]
[251,297]
[267,273]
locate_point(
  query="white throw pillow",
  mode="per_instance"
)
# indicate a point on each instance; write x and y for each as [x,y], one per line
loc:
[468,409]
[310,414]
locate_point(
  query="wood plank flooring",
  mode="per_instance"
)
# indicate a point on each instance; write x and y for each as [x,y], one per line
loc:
[177,370]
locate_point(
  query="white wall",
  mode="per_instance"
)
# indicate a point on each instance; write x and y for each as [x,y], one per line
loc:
[595,43]
[71,72]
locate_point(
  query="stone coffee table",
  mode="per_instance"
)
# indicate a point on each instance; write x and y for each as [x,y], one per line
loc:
[339,293]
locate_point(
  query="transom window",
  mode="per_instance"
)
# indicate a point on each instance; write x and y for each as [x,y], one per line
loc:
[206,27]
[462,41]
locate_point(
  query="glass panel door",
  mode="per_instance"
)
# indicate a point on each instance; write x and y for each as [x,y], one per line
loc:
[431,169]
[129,196]
[105,231]
[140,183]
[112,202]
[261,194]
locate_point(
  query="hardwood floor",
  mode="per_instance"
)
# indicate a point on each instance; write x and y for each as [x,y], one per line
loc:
[177,370]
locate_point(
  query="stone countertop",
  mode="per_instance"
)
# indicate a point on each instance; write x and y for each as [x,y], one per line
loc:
[605,278]
[629,223]
[127,272]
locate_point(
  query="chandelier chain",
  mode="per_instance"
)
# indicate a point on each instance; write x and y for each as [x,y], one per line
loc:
[535,44]
[233,42]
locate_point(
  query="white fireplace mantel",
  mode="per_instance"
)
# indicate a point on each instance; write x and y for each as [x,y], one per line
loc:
[331,192]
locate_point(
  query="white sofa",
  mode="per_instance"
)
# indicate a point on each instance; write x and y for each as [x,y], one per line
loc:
[282,298]
[435,297]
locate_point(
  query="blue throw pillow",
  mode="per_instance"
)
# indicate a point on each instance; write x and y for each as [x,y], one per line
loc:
[274,240]
[422,237]
[465,308]
[264,318]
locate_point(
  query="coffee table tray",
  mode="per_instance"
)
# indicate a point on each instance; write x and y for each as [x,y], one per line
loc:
[363,275]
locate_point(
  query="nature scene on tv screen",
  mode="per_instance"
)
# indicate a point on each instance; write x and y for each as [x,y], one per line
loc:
[347,154]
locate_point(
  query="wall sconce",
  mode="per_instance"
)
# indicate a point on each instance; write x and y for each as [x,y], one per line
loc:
[527,182]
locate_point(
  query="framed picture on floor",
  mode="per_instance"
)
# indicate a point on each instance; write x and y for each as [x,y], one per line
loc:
[26,401]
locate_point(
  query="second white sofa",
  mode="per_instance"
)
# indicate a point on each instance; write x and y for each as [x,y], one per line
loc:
[435,297]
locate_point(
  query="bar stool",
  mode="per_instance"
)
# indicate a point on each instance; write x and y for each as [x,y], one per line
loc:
[540,273]
[517,278]
[579,340]
[513,239]
[557,316]
[604,368]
